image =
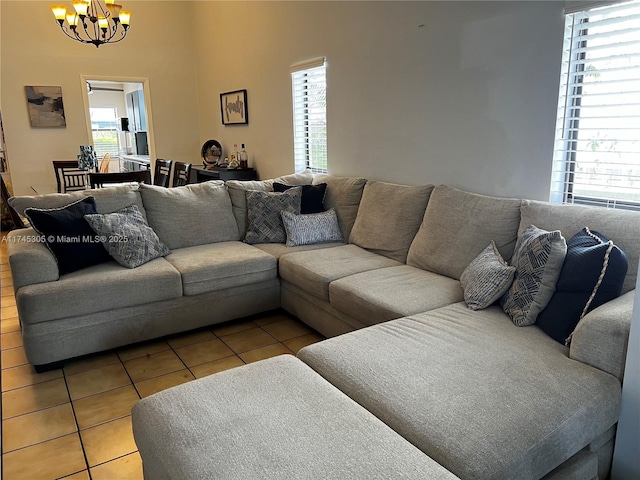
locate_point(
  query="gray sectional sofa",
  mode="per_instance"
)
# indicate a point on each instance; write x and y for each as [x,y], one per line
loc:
[483,398]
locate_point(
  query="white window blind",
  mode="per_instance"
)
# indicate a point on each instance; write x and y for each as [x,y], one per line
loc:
[309,88]
[597,147]
[104,129]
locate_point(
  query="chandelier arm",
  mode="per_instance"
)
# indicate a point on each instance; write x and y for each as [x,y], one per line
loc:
[99,35]
[73,37]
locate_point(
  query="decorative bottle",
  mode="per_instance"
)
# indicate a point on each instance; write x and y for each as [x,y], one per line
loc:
[244,158]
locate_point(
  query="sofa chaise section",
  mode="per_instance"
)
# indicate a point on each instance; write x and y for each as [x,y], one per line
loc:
[269,420]
[482,397]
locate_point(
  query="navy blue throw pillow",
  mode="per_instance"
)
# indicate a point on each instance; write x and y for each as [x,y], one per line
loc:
[312,196]
[68,235]
[589,253]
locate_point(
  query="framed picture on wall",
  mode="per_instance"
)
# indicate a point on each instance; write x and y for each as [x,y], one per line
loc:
[45,107]
[233,106]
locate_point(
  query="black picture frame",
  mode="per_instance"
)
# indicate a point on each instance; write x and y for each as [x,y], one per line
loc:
[233,108]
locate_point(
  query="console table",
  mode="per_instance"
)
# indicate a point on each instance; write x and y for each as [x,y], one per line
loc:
[201,173]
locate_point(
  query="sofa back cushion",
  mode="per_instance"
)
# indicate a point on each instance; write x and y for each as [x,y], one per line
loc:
[458,225]
[191,215]
[343,194]
[238,194]
[620,226]
[389,217]
[108,200]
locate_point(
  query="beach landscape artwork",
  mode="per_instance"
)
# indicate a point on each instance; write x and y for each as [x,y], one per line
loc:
[45,106]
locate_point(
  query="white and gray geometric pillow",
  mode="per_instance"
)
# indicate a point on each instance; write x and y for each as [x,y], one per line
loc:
[127,236]
[538,258]
[264,214]
[486,279]
[311,228]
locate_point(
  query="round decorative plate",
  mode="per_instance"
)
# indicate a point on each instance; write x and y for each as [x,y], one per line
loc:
[211,152]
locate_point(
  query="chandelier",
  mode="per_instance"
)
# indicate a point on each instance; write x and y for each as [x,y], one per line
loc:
[91,22]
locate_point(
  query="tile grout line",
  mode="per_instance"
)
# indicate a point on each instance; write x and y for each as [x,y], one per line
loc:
[75,419]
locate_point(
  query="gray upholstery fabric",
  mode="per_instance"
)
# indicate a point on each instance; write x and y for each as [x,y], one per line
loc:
[127,236]
[30,259]
[513,408]
[311,229]
[217,266]
[314,270]
[264,211]
[388,218]
[238,193]
[302,178]
[190,215]
[316,313]
[582,466]
[393,292]
[98,289]
[282,421]
[601,337]
[621,226]
[486,278]
[458,225]
[343,194]
[279,249]
[538,259]
[107,199]
[69,337]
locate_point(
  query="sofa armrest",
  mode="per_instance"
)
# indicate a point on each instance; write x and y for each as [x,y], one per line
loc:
[601,337]
[30,260]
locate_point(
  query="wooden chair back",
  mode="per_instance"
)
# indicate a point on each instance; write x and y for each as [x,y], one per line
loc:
[104,163]
[99,180]
[181,172]
[162,172]
[69,177]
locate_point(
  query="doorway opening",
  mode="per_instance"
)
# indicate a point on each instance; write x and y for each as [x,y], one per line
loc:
[119,122]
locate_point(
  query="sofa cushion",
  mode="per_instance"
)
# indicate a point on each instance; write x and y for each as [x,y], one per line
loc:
[264,213]
[580,287]
[107,199]
[98,289]
[127,237]
[313,271]
[388,218]
[312,196]
[486,279]
[538,259]
[68,235]
[283,421]
[218,266]
[190,215]
[343,194]
[482,397]
[384,294]
[458,225]
[238,193]
[311,228]
[621,226]
[279,249]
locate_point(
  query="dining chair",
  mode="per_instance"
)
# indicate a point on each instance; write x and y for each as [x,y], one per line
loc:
[69,177]
[162,172]
[181,172]
[99,180]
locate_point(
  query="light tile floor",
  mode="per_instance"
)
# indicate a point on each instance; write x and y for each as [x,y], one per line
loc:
[75,423]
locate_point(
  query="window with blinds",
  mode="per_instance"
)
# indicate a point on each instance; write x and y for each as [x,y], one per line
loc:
[309,87]
[597,148]
[104,129]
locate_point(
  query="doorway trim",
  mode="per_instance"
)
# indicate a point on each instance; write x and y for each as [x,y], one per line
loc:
[147,102]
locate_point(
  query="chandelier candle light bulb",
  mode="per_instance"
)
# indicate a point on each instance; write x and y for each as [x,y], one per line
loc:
[93,22]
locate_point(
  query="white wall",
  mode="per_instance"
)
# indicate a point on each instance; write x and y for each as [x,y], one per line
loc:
[33,51]
[468,99]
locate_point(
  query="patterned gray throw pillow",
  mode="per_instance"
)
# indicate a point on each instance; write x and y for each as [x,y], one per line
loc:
[311,228]
[127,236]
[264,214]
[538,258]
[486,279]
